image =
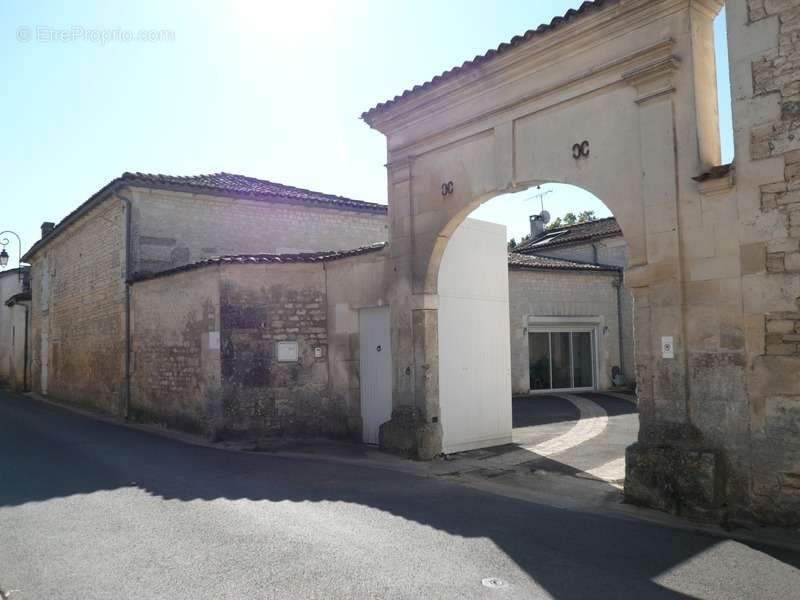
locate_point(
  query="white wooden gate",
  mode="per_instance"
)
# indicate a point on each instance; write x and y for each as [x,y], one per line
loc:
[474,338]
[376,370]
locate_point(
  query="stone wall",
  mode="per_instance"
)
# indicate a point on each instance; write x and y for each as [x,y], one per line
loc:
[764,48]
[353,283]
[175,370]
[77,316]
[260,306]
[563,294]
[608,251]
[176,228]
[12,332]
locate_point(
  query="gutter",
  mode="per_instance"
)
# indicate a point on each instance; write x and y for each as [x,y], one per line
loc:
[619,285]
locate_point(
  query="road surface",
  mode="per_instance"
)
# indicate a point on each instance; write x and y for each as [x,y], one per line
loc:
[93,510]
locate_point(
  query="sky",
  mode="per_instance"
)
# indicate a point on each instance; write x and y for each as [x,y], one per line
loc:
[268,89]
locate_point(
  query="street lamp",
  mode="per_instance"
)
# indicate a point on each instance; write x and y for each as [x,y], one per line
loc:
[4,241]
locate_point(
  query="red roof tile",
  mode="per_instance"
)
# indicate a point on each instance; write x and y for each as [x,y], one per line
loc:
[547,263]
[264,259]
[571,234]
[249,187]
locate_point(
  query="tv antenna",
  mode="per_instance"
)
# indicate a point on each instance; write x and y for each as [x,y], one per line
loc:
[540,196]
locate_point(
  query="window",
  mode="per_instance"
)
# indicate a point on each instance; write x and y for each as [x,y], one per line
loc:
[562,359]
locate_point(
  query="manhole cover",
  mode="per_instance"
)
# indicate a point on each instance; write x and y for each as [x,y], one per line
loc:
[493,582]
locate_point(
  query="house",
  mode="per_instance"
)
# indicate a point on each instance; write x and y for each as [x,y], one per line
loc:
[15,299]
[237,307]
[82,270]
[571,316]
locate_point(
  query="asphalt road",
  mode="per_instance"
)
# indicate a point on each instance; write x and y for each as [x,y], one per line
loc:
[93,510]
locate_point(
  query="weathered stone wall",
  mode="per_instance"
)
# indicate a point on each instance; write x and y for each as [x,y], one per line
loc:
[261,305]
[564,294]
[608,251]
[764,48]
[77,317]
[176,228]
[352,283]
[12,332]
[175,366]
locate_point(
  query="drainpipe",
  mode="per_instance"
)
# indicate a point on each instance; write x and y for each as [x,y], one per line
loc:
[618,284]
[25,352]
[126,274]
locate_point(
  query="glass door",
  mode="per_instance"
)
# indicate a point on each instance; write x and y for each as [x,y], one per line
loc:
[561,360]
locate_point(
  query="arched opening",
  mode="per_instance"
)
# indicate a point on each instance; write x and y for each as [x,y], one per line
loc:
[535,332]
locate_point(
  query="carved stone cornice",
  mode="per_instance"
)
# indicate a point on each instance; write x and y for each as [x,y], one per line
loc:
[653,79]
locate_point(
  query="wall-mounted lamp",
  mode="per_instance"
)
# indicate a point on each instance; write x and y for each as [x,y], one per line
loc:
[4,241]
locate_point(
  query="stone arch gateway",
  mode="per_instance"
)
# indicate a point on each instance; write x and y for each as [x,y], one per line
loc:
[619,97]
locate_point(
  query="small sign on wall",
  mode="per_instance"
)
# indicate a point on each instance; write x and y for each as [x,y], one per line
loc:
[667,347]
[287,351]
[213,340]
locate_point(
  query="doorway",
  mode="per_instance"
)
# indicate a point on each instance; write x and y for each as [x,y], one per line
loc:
[375,371]
[561,359]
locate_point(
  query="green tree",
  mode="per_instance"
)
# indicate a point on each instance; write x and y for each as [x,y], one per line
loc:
[512,243]
[572,219]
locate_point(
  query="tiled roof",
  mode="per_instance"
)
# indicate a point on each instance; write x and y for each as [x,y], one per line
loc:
[248,187]
[546,263]
[223,184]
[264,259]
[571,234]
[479,60]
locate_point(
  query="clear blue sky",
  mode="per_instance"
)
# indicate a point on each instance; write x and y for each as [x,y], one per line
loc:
[267,89]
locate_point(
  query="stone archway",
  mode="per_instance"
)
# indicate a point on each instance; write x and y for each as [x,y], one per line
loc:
[617,98]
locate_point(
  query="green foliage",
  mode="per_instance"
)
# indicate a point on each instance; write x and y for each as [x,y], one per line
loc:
[572,219]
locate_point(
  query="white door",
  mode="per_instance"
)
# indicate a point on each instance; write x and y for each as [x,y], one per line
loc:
[376,370]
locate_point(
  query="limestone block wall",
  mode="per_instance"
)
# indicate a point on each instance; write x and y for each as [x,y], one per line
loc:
[608,251]
[12,332]
[260,306]
[176,228]
[764,48]
[175,366]
[352,283]
[77,315]
[563,294]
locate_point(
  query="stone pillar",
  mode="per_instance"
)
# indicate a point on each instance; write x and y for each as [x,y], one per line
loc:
[669,467]
[414,429]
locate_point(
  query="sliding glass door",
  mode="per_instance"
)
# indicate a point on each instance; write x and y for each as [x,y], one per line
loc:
[562,359]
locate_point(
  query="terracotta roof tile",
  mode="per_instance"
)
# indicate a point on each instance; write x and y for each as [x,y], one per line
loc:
[571,234]
[223,184]
[264,259]
[250,187]
[547,263]
[479,60]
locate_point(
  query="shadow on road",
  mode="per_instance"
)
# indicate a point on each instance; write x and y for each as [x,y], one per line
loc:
[49,453]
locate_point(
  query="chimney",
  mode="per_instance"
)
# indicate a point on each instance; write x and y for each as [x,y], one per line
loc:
[47,227]
[537,226]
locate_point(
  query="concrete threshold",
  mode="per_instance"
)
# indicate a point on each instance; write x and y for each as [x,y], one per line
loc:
[585,494]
